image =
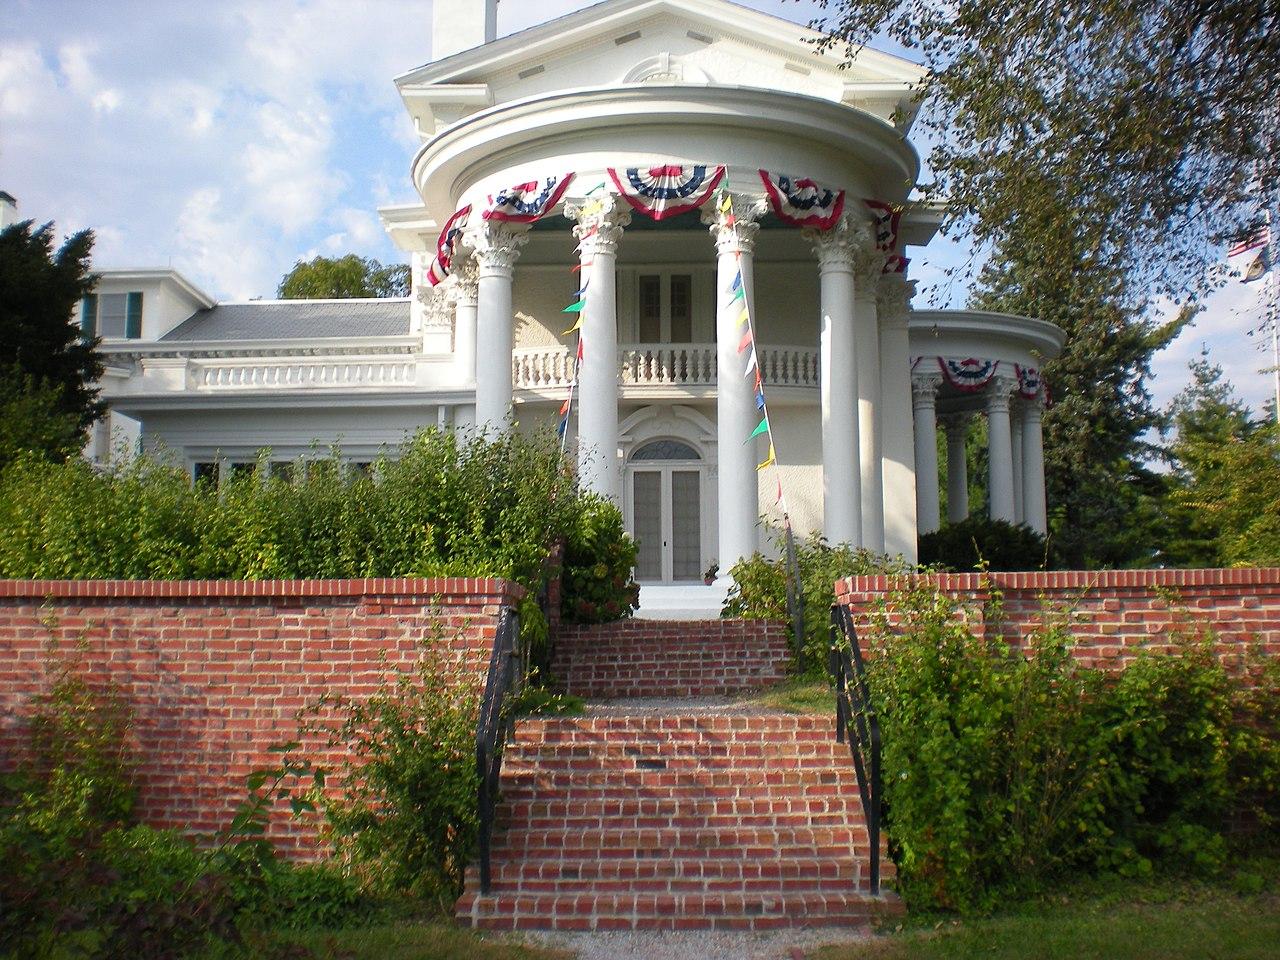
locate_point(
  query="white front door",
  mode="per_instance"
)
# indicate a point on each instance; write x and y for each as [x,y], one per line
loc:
[666,512]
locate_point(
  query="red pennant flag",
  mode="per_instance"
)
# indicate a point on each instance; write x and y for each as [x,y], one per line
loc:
[746,342]
[564,409]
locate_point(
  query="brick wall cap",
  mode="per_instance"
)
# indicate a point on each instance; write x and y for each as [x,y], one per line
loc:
[1081,580]
[507,592]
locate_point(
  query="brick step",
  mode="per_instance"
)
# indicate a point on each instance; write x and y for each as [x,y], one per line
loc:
[677,820]
[638,658]
[574,806]
[614,875]
[673,911]
[715,842]
[673,723]
[714,784]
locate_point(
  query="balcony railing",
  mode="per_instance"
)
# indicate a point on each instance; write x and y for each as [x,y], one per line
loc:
[689,365]
[268,374]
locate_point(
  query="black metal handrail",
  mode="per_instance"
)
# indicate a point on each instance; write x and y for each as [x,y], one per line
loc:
[856,720]
[505,673]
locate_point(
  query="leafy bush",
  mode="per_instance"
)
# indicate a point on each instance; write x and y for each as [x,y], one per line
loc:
[1005,769]
[442,506]
[405,818]
[991,544]
[598,560]
[759,590]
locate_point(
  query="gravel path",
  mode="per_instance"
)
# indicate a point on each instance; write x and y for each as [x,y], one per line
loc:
[640,706]
[696,945]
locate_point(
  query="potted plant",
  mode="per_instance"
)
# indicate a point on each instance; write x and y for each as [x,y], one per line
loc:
[709,575]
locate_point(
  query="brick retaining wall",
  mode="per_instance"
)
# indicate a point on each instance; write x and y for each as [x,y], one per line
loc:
[1114,613]
[215,671]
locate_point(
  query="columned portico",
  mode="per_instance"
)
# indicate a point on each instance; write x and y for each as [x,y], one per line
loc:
[738,488]
[496,250]
[957,428]
[924,405]
[599,230]
[1000,450]
[464,288]
[841,475]
[1015,432]
[867,271]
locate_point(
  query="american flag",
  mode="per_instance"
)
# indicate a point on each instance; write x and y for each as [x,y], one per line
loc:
[1259,238]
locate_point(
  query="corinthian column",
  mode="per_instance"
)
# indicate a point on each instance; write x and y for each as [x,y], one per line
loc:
[957,427]
[736,413]
[898,452]
[496,250]
[841,479]
[1000,449]
[924,403]
[868,267]
[599,230]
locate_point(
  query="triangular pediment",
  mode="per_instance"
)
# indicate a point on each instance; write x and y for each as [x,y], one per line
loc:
[620,42]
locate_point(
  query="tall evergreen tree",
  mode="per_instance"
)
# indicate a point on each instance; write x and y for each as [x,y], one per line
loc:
[42,352]
[1224,500]
[1103,498]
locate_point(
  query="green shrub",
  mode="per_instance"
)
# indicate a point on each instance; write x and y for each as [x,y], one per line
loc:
[979,542]
[598,559]
[1006,769]
[405,818]
[310,895]
[759,590]
[441,506]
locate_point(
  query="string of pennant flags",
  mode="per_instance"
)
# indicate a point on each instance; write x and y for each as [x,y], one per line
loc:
[665,191]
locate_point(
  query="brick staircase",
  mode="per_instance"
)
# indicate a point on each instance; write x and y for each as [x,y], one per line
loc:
[676,814]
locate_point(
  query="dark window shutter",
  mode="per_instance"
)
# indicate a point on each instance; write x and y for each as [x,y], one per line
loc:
[89,316]
[133,316]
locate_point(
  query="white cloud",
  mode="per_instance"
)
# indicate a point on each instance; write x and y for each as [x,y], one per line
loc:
[24,78]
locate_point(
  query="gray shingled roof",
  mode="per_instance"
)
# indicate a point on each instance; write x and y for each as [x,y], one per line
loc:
[296,320]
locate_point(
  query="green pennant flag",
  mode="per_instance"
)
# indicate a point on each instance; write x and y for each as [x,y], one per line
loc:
[762,427]
[739,294]
[575,307]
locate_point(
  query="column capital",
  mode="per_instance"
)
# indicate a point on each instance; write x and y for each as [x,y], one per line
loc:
[956,420]
[738,236]
[924,389]
[600,223]
[837,248]
[496,247]
[1000,392]
[893,299]
[439,306]
[464,282]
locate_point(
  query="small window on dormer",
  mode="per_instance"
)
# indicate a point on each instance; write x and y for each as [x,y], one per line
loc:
[112,316]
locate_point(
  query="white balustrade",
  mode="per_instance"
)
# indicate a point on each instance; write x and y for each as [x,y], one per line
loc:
[662,364]
[287,374]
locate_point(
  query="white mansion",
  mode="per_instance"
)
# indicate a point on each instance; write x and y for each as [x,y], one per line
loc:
[725,214]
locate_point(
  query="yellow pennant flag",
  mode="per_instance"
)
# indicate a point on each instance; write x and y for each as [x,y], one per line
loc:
[576,326]
[770,459]
[726,203]
[743,317]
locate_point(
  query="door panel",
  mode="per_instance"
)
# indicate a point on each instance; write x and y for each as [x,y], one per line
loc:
[686,546]
[647,519]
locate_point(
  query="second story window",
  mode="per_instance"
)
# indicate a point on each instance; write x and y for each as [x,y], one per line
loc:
[112,316]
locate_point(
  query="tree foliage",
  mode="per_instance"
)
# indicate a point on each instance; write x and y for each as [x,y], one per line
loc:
[343,278]
[47,370]
[1223,504]
[1102,496]
[1147,121]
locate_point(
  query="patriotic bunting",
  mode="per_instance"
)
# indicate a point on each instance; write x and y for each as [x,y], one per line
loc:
[527,202]
[969,374]
[801,202]
[447,245]
[886,220]
[666,191]
[1029,381]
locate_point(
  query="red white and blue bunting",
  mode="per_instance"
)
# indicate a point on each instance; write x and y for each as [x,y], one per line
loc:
[666,191]
[969,374]
[1030,383]
[447,245]
[802,202]
[528,202]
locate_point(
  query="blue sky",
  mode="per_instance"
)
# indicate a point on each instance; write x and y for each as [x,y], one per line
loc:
[229,139]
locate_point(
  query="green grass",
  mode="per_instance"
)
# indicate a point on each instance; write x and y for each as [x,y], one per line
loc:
[1191,922]
[798,696]
[403,941]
